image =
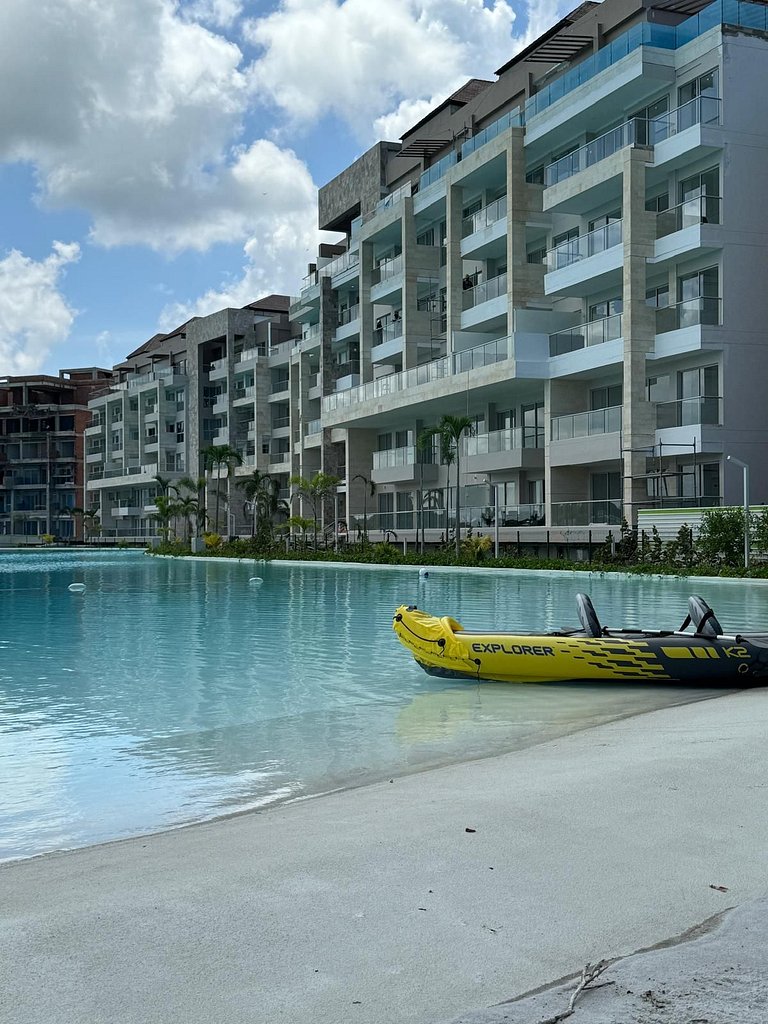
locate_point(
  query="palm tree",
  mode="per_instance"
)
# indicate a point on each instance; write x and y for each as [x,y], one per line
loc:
[450,431]
[167,510]
[216,456]
[163,482]
[370,490]
[196,487]
[315,492]
[261,493]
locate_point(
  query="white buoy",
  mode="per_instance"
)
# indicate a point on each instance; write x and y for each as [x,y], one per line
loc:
[255,581]
[423,574]
[76,588]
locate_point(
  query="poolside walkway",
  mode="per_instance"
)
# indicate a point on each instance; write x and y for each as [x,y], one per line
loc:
[415,900]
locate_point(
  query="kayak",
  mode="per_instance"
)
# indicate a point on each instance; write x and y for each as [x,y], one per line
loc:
[591,653]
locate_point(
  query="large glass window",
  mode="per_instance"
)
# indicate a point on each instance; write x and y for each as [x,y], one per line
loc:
[606,397]
[701,88]
[533,425]
[698,395]
[604,232]
[697,294]
[700,198]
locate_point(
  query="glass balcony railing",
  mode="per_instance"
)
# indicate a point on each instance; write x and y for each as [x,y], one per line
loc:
[596,332]
[689,412]
[394,197]
[580,248]
[313,427]
[484,218]
[395,457]
[484,292]
[436,171]
[603,512]
[437,369]
[585,424]
[388,332]
[387,269]
[701,210]
[348,316]
[344,262]
[704,310]
[493,441]
[481,355]
[281,421]
[700,110]
[627,134]
[512,119]
[283,384]
[248,392]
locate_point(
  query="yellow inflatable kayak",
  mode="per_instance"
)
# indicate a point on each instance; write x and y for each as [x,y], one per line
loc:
[590,654]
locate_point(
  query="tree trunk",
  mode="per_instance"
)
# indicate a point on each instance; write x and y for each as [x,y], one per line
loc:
[458,500]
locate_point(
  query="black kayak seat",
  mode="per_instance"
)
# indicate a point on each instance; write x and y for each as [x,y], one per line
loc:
[588,616]
[702,617]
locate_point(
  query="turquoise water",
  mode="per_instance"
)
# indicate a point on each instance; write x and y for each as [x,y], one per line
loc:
[173,691]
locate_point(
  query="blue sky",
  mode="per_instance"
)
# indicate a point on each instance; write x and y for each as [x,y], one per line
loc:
[160,159]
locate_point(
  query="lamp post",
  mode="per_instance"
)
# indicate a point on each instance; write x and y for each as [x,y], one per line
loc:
[745,471]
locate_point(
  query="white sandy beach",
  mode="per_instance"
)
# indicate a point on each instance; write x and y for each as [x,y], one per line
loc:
[377,905]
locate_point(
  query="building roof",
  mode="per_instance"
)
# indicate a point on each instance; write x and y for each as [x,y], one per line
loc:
[552,47]
[469,91]
[273,303]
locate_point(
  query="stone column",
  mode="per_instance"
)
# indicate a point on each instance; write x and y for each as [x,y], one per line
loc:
[638,328]
[454,204]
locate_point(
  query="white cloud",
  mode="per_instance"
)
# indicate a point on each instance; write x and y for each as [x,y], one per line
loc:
[374,65]
[134,113]
[220,13]
[34,315]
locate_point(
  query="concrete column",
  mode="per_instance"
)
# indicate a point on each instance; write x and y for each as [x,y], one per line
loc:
[367,321]
[639,325]
[525,281]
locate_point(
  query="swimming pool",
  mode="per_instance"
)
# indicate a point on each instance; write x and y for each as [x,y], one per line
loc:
[171,691]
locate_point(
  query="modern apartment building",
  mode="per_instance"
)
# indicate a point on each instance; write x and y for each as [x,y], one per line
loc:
[215,380]
[42,425]
[574,257]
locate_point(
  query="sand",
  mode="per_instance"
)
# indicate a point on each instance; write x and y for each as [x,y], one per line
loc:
[420,899]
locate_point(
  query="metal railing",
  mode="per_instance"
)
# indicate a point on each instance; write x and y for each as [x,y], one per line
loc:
[585,424]
[704,310]
[437,369]
[281,421]
[703,410]
[484,292]
[596,332]
[574,249]
[489,214]
[701,210]
[283,384]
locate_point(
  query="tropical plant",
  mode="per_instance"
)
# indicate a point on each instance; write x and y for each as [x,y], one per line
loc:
[476,548]
[315,492]
[263,503]
[303,524]
[721,536]
[212,540]
[89,517]
[449,432]
[163,483]
[369,491]
[214,457]
[195,486]
[167,509]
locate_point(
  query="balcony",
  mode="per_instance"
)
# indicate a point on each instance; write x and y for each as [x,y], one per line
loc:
[94,428]
[584,246]
[249,354]
[242,394]
[596,332]
[403,464]
[512,448]
[218,368]
[701,210]
[436,171]
[280,387]
[395,197]
[512,119]
[597,257]
[438,369]
[689,313]
[348,322]
[586,424]
[603,512]
[485,292]
[313,427]
[686,412]
[628,134]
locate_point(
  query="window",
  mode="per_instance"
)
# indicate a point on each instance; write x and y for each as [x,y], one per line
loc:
[697,294]
[657,297]
[505,420]
[693,96]
[404,519]
[566,245]
[606,397]
[535,492]
[608,307]
[700,198]
[698,395]
[533,425]
[66,423]
[386,509]
[650,123]
[536,175]
[605,232]
[658,204]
